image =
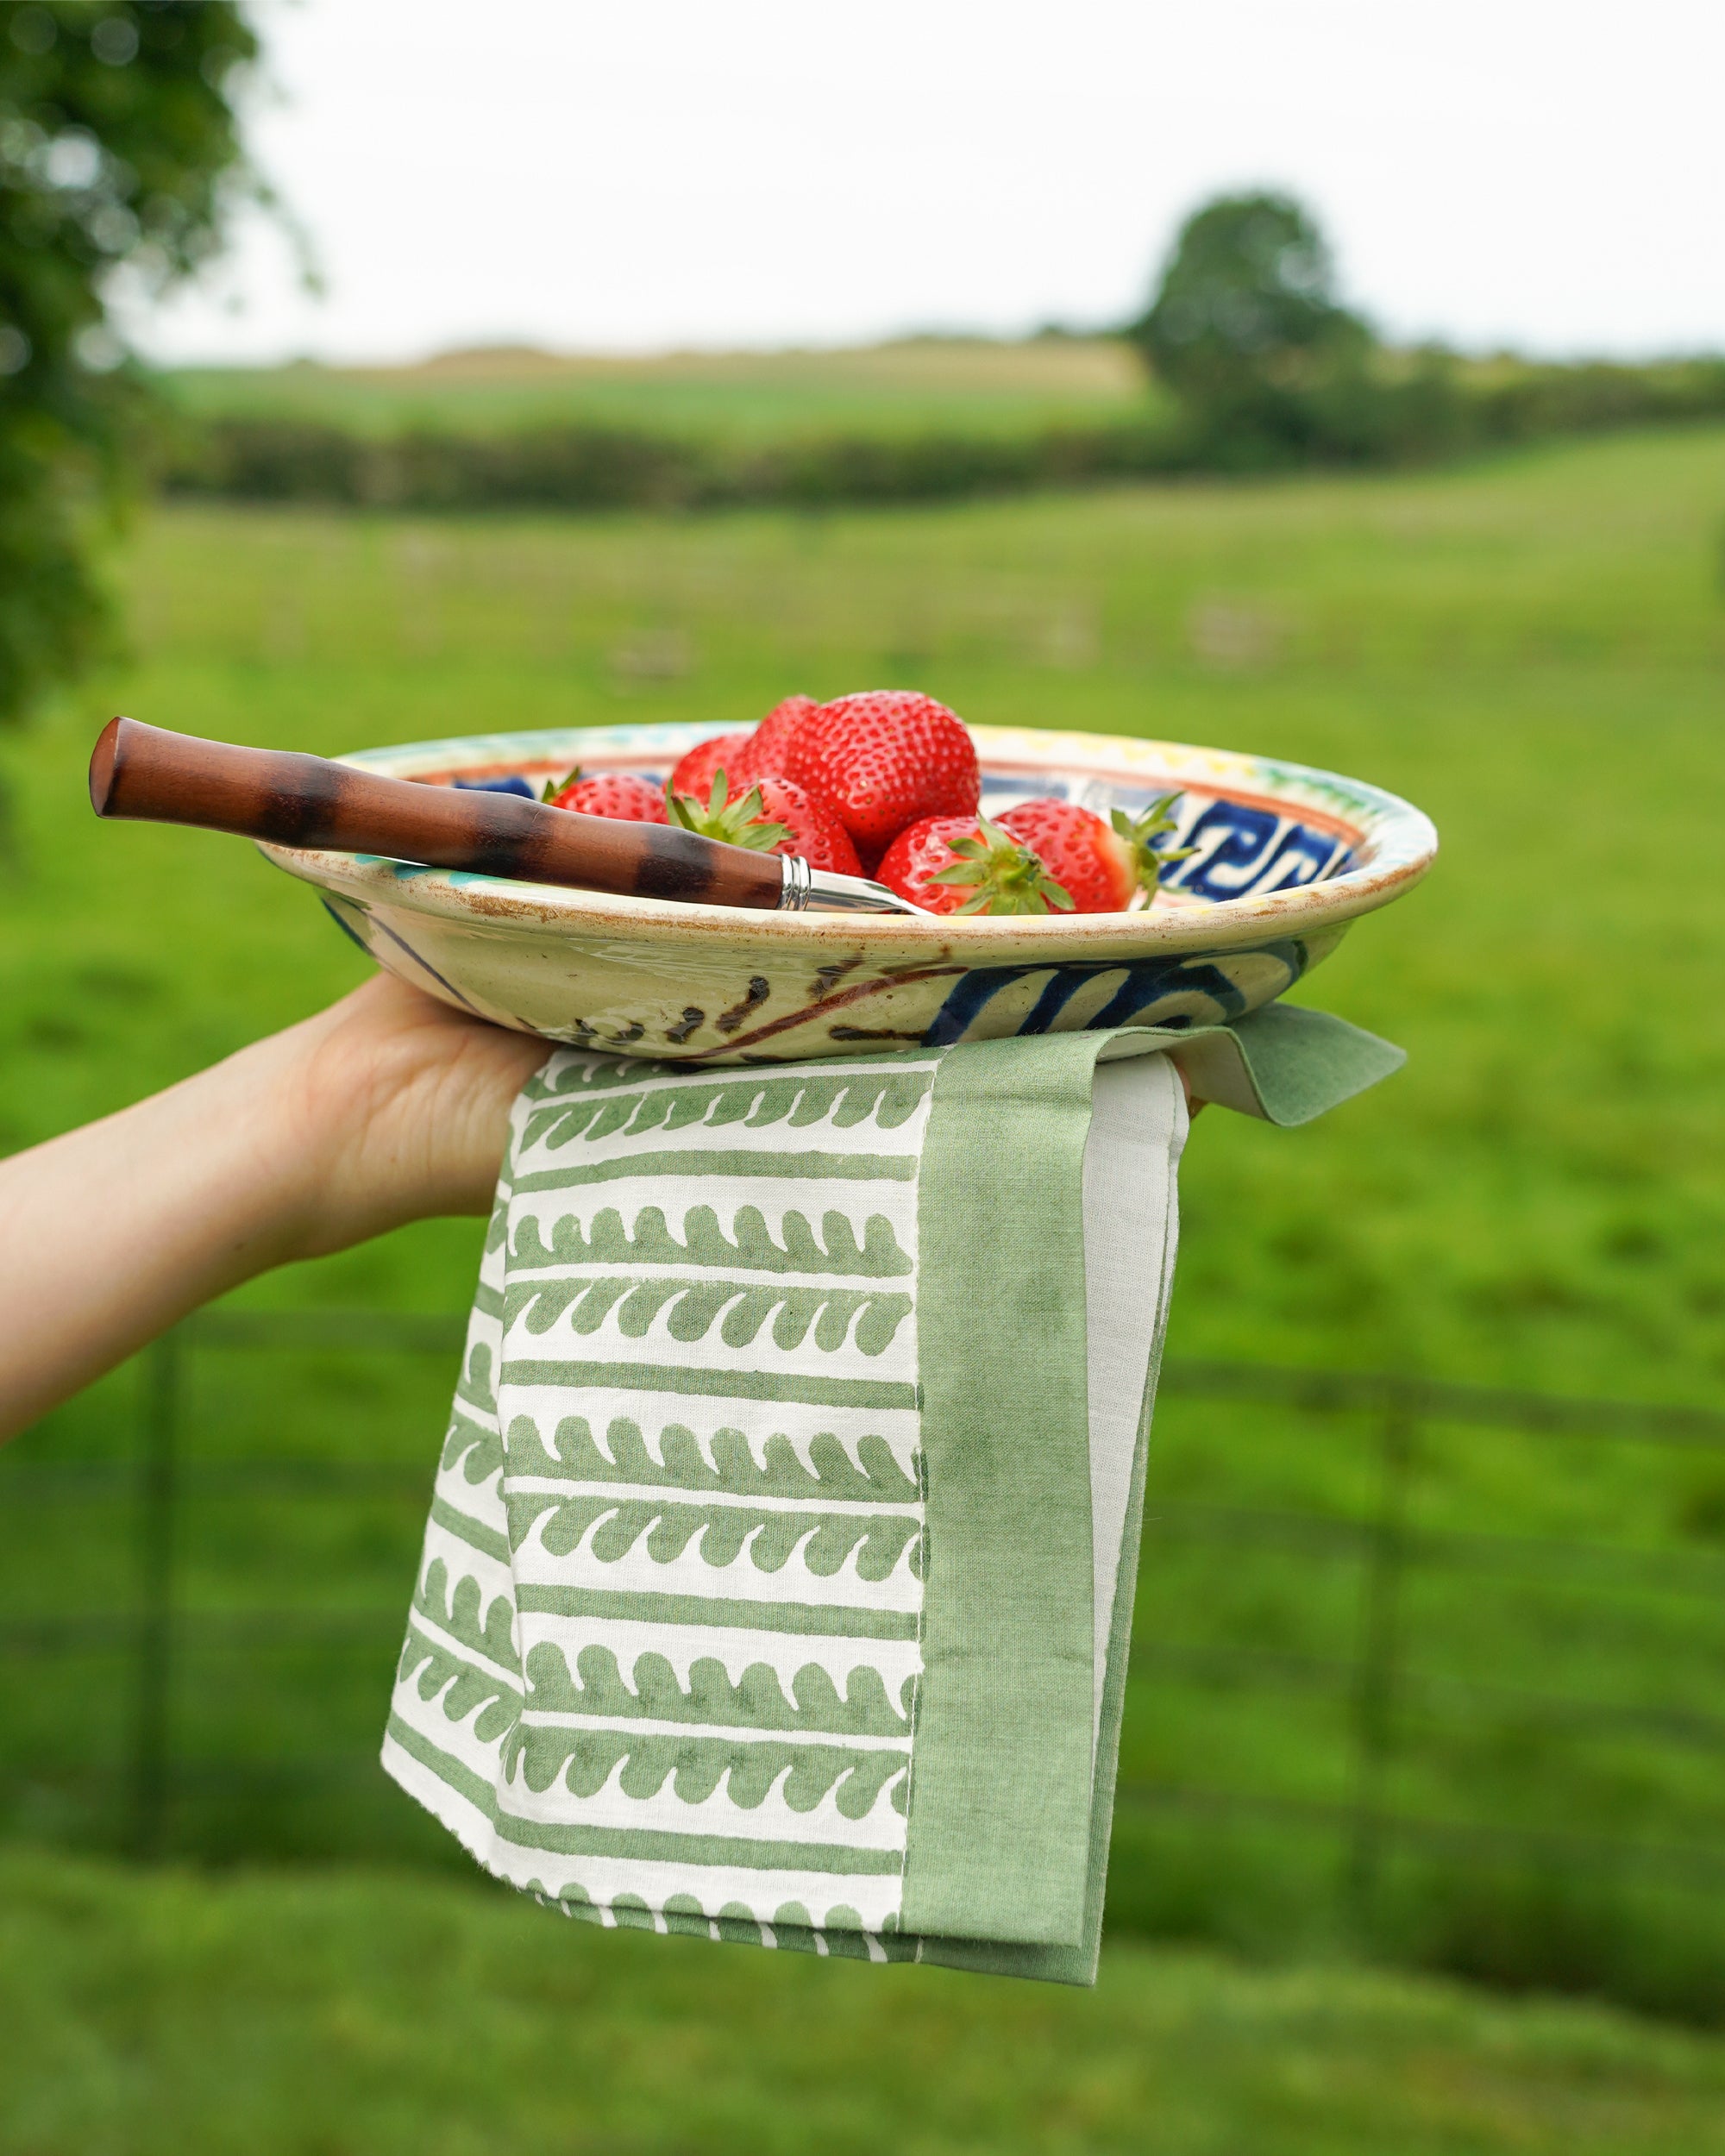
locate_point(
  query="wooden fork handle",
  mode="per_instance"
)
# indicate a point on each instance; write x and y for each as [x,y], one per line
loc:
[288,800]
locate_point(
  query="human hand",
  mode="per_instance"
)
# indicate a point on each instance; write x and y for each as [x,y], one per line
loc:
[399,1107]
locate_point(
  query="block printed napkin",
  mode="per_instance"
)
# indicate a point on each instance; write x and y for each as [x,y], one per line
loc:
[779,1574]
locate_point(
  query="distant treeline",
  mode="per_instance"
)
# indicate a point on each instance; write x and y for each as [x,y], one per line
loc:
[1412,409]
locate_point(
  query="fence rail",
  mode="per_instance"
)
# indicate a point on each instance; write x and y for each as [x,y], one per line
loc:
[1377,1680]
[1428,1400]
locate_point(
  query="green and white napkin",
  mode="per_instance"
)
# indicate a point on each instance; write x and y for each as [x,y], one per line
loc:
[779,1575]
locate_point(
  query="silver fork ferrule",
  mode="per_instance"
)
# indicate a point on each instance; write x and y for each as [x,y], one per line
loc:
[796,885]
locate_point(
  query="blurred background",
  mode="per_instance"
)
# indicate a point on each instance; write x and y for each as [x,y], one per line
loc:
[1315,380]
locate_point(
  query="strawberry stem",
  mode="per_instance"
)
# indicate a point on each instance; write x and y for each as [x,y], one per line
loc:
[1148,859]
[740,822]
[1009,878]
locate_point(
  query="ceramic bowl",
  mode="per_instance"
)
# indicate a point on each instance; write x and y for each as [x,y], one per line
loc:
[1283,859]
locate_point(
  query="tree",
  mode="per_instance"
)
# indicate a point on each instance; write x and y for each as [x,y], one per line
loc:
[1246,329]
[119,153]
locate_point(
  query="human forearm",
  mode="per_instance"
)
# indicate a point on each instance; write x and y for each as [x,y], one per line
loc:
[111,1233]
[386,1108]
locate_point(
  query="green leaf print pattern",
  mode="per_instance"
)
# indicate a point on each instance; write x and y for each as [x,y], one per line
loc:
[692,1308]
[802,1776]
[718,1534]
[756,1701]
[726,1462]
[606,1104]
[750,1245]
[663,1663]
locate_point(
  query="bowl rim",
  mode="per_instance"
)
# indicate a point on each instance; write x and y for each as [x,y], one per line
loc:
[1398,841]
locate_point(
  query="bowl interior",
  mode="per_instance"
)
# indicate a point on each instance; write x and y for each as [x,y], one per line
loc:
[1254,825]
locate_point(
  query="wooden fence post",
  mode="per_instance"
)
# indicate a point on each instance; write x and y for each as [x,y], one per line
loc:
[1374,1699]
[153,1663]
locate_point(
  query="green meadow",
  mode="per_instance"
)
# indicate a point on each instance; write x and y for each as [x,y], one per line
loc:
[347,2014]
[918,384]
[1531,649]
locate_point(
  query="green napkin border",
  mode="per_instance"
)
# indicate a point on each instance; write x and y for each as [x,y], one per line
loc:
[1011,1805]
[1001,1775]
[1284,1064]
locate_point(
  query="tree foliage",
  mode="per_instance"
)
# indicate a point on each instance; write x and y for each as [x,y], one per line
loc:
[119,154]
[1246,329]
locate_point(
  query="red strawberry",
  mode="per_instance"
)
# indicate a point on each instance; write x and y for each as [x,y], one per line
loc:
[618,793]
[885,759]
[775,815]
[743,757]
[693,771]
[766,751]
[965,864]
[1103,865]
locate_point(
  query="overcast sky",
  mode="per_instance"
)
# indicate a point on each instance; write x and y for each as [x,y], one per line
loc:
[634,174]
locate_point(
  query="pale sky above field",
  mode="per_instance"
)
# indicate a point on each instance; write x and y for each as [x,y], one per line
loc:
[598,176]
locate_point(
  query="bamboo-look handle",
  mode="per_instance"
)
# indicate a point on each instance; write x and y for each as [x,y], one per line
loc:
[294,800]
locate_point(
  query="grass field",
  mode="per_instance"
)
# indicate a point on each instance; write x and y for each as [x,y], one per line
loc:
[1532,651]
[971,384]
[332,2014]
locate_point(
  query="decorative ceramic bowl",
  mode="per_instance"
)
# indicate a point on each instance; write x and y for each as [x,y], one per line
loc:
[1283,859]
